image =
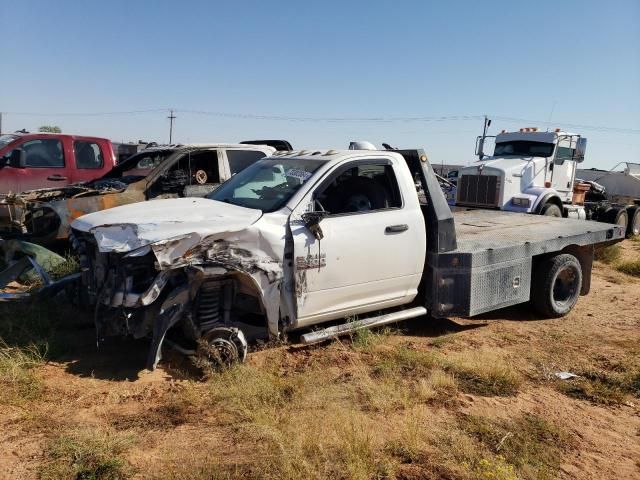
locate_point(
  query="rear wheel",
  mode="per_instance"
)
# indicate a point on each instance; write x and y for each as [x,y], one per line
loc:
[633,225]
[551,210]
[556,285]
[617,216]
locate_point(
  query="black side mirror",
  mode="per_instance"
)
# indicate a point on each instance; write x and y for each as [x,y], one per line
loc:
[312,222]
[18,158]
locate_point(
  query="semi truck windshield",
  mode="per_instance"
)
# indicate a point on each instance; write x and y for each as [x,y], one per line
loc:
[524,148]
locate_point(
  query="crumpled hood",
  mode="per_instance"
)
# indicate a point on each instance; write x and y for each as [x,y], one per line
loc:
[129,227]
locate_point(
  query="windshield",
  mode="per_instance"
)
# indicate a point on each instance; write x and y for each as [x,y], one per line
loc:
[6,139]
[139,165]
[267,184]
[524,148]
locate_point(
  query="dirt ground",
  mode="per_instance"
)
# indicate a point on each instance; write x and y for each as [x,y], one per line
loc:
[429,399]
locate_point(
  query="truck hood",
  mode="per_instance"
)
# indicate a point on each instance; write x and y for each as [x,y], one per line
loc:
[130,227]
[509,165]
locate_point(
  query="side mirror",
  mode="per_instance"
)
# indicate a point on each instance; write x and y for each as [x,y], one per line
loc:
[581,148]
[18,158]
[312,222]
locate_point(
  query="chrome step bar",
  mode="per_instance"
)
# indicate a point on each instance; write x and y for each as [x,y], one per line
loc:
[342,329]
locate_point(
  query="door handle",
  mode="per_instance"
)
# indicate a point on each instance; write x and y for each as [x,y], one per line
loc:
[56,178]
[396,228]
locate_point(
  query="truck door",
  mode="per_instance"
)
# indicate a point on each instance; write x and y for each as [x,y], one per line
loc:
[564,169]
[45,165]
[89,159]
[366,258]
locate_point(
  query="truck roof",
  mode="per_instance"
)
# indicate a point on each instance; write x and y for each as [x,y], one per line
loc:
[546,137]
[56,135]
[332,154]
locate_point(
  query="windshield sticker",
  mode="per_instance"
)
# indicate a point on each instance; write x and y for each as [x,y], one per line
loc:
[297,173]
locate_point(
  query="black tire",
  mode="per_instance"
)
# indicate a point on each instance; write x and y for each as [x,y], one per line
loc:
[556,285]
[616,216]
[551,210]
[362,194]
[633,225]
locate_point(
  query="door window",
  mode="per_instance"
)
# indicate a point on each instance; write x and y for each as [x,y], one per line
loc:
[194,174]
[361,188]
[88,155]
[44,153]
[241,159]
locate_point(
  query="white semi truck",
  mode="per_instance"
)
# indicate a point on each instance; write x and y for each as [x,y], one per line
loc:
[532,171]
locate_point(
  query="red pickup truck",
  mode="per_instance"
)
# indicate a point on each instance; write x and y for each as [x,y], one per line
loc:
[39,160]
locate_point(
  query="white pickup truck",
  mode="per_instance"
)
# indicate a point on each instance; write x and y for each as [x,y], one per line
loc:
[303,238]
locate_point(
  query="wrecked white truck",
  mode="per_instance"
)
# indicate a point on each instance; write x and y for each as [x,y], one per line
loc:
[303,238]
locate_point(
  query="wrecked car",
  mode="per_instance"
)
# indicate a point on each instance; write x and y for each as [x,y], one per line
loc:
[43,216]
[299,239]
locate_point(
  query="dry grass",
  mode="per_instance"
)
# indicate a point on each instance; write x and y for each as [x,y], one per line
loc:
[529,443]
[18,382]
[69,266]
[608,255]
[86,454]
[630,267]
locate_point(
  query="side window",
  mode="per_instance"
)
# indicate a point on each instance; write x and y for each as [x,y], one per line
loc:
[88,155]
[361,188]
[564,153]
[44,153]
[241,159]
[194,174]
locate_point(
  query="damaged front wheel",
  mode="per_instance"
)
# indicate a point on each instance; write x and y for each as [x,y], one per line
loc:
[220,348]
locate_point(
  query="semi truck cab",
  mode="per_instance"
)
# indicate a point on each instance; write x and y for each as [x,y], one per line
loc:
[530,172]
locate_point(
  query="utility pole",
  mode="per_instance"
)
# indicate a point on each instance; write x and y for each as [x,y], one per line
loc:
[0,123]
[171,118]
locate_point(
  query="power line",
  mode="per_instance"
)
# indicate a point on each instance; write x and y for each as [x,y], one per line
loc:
[571,125]
[86,114]
[311,119]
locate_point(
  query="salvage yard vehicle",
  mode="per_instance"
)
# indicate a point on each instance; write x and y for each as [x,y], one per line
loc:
[535,172]
[43,216]
[303,238]
[39,160]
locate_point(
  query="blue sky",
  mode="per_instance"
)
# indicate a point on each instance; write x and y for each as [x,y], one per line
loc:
[580,59]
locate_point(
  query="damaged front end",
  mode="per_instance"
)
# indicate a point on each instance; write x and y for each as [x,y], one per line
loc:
[203,294]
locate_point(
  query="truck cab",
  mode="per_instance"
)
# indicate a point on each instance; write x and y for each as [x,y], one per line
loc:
[530,171]
[40,160]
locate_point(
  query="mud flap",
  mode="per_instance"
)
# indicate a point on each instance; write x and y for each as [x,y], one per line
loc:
[171,312]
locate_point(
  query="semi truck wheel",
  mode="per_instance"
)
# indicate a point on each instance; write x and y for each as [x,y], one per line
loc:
[633,226]
[551,210]
[556,285]
[617,216]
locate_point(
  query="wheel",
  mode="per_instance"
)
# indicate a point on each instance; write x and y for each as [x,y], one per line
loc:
[633,224]
[221,348]
[201,177]
[556,285]
[617,216]
[551,210]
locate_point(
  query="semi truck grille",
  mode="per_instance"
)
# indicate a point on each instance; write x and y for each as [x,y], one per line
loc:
[480,190]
